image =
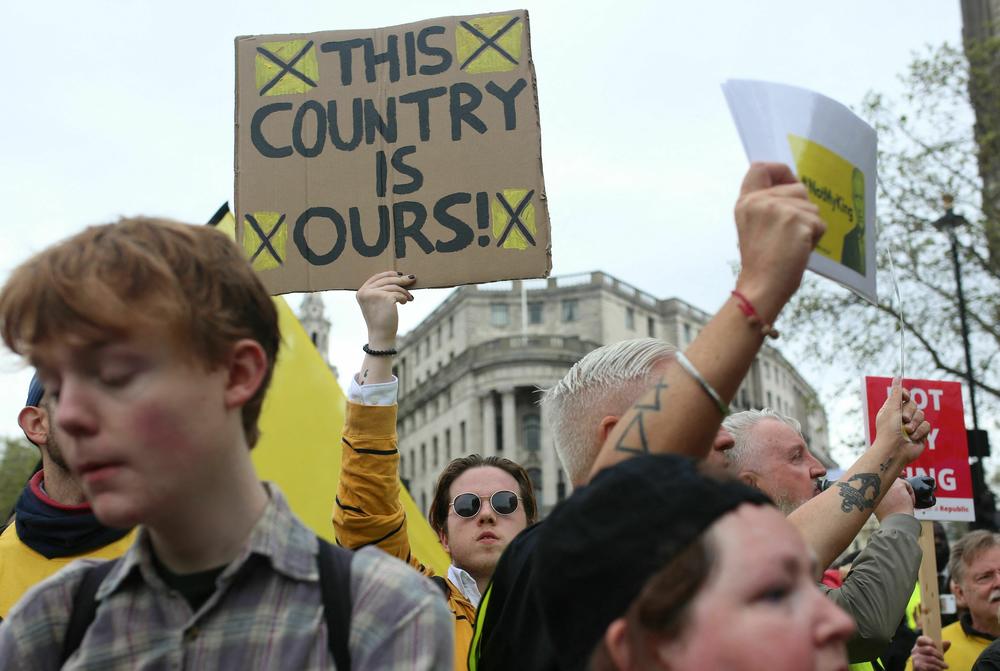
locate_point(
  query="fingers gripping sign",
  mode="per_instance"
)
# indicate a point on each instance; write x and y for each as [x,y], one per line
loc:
[778,227]
[378,298]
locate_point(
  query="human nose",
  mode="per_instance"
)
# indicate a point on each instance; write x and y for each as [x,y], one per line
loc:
[723,440]
[74,411]
[486,513]
[817,469]
[833,625]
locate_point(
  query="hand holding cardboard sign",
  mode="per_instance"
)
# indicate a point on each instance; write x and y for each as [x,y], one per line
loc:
[378,298]
[926,656]
[778,228]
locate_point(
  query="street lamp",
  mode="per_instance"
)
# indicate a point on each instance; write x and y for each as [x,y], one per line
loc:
[949,223]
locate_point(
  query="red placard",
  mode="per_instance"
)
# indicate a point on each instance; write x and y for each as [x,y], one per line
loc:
[946,457]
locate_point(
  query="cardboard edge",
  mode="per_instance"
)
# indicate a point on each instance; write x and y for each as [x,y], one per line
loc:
[236,138]
[543,196]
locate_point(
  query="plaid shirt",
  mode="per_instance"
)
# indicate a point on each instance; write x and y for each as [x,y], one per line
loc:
[266,612]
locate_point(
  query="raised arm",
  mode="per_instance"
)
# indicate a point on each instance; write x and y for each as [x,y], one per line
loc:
[778,228]
[367,509]
[830,521]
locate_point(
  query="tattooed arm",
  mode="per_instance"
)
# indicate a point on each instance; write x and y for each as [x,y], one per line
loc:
[831,520]
[778,228]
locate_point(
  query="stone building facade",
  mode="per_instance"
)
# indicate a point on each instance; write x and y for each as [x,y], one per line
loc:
[470,373]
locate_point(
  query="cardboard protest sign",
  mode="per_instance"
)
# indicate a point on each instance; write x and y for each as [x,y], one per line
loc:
[415,148]
[833,152]
[946,457]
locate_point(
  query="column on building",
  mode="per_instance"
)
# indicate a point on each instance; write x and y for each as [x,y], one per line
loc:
[550,462]
[509,420]
[489,447]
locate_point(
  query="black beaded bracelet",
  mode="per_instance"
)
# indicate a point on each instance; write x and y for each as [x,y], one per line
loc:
[379,352]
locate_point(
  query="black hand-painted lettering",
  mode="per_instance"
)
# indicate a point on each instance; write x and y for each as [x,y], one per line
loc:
[863,496]
[358,239]
[299,235]
[344,48]
[410,49]
[428,50]
[300,146]
[356,120]
[381,173]
[507,97]
[400,166]
[265,148]
[402,231]
[374,121]
[390,56]
[463,232]
[464,111]
[422,100]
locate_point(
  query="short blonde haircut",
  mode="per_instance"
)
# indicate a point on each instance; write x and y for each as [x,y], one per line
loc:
[607,381]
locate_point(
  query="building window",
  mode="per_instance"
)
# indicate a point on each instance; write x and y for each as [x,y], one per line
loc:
[451,326]
[499,315]
[569,309]
[561,485]
[532,433]
[447,445]
[630,318]
[687,334]
[770,401]
[423,502]
[413,463]
[651,327]
[535,475]
[767,373]
[423,457]
[535,312]
[461,437]
[434,450]
[437,337]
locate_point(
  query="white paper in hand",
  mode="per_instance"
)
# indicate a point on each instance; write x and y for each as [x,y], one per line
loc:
[833,152]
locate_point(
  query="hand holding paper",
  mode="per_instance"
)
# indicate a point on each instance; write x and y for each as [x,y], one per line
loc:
[778,228]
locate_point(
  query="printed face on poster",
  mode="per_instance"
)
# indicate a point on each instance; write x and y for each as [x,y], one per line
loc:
[415,148]
[946,457]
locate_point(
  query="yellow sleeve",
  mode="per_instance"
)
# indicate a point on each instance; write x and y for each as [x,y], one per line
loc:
[367,510]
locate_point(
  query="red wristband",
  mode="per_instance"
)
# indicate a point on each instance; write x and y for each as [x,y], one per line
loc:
[747,308]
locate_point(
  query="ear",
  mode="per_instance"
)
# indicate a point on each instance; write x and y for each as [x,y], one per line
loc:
[748,478]
[956,589]
[246,371]
[35,424]
[443,537]
[606,426]
[616,642]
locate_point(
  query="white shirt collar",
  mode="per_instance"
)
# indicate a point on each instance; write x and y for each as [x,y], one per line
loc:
[461,579]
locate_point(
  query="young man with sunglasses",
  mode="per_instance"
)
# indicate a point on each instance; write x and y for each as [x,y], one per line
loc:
[479,506]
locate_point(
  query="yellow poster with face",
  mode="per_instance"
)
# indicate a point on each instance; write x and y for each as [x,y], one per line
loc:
[838,188]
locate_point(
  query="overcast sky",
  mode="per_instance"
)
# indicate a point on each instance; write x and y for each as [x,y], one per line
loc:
[124,107]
